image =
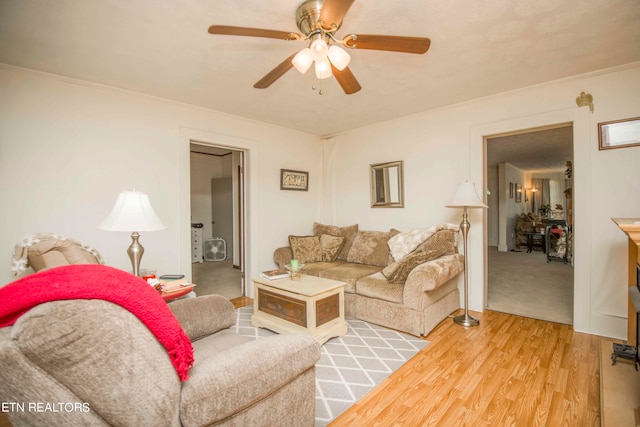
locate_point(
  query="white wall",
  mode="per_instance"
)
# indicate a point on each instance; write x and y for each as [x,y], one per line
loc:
[496,189]
[67,148]
[511,208]
[441,148]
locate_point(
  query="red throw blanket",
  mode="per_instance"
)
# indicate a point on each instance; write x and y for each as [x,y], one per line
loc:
[84,281]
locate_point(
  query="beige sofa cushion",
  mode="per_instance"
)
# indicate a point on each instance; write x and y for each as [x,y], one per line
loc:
[370,247]
[348,273]
[348,232]
[315,268]
[377,286]
[306,249]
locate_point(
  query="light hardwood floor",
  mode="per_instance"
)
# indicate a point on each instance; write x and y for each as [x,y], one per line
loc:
[509,371]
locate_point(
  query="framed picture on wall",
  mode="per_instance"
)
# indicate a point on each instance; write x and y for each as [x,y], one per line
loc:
[511,190]
[518,193]
[294,180]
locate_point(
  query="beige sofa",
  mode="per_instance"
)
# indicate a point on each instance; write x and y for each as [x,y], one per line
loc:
[411,292]
[91,362]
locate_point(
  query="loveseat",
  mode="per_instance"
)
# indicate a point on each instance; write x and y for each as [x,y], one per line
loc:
[92,362]
[406,281]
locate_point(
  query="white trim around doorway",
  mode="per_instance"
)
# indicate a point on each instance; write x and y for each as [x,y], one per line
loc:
[250,148]
[581,121]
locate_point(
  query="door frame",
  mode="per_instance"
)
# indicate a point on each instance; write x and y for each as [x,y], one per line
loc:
[503,223]
[187,137]
[581,120]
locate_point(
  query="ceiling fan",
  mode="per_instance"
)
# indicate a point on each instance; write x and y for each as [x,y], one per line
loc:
[318,21]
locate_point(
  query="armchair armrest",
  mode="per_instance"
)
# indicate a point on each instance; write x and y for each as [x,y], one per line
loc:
[205,315]
[243,375]
[429,276]
[282,256]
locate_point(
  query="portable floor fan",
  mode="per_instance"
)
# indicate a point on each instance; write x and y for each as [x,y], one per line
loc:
[215,249]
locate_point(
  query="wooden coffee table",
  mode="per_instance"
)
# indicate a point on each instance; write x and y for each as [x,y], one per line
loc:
[311,305]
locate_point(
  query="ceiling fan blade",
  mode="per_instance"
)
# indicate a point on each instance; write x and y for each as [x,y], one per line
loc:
[275,74]
[390,43]
[228,30]
[346,79]
[333,11]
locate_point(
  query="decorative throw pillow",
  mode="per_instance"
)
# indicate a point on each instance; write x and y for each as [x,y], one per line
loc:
[306,248]
[403,244]
[392,233]
[445,241]
[442,243]
[330,246]
[370,247]
[348,232]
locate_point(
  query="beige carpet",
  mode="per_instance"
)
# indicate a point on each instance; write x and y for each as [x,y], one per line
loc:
[525,284]
[217,277]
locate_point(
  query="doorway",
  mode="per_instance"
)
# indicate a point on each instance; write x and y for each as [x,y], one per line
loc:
[529,175]
[217,219]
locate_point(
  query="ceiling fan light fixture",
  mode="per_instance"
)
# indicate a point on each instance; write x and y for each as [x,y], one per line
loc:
[319,50]
[338,57]
[303,60]
[323,69]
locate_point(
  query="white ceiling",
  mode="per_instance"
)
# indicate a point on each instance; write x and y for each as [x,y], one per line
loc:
[542,150]
[162,48]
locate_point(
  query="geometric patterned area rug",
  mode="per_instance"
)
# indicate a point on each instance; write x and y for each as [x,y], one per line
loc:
[349,366]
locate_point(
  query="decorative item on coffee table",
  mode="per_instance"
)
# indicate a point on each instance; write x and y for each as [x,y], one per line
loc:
[294,269]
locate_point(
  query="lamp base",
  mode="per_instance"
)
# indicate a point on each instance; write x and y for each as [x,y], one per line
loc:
[466,320]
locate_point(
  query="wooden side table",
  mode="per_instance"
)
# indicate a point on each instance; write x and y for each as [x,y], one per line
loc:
[535,240]
[168,296]
[311,305]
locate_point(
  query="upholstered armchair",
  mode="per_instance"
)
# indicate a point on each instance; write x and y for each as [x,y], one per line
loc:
[47,250]
[92,362]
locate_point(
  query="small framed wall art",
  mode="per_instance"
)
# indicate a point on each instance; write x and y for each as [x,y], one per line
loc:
[619,133]
[294,180]
[518,193]
[511,190]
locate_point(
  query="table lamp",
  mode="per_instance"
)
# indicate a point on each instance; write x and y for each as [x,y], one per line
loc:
[133,212]
[466,197]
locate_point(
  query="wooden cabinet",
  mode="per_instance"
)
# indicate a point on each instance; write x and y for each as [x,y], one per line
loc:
[196,245]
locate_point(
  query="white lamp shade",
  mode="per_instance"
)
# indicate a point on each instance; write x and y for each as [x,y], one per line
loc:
[319,50]
[303,60]
[338,57]
[323,69]
[132,212]
[466,197]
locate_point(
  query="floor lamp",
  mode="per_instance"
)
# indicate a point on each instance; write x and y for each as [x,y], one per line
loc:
[466,198]
[133,212]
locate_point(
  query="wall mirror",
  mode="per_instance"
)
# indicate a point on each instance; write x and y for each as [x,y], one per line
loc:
[386,185]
